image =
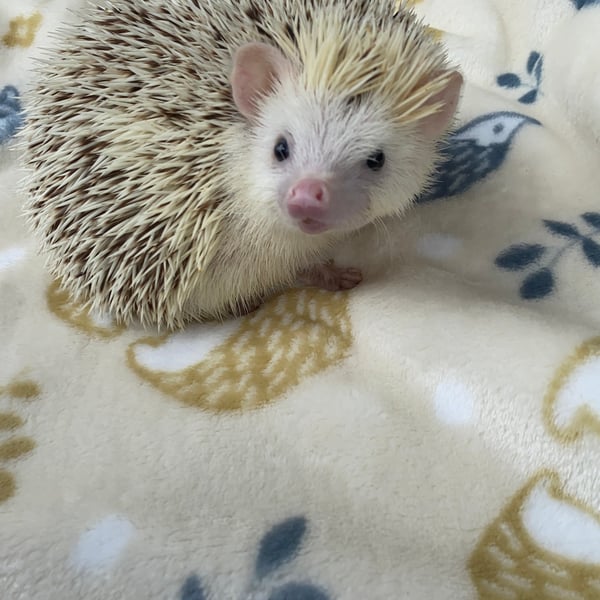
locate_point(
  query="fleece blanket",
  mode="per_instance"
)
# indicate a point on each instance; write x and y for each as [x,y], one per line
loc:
[432,434]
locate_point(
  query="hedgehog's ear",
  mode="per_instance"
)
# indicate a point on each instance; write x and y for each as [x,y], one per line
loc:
[256,70]
[434,125]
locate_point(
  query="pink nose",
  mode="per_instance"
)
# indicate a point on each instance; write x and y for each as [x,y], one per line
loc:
[308,199]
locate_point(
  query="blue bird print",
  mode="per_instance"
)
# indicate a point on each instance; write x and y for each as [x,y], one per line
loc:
[11,117]
[473,152]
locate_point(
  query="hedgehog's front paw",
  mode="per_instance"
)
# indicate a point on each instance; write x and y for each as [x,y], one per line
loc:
[332,278]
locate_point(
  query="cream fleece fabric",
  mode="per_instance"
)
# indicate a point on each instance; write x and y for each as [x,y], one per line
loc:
[434,434]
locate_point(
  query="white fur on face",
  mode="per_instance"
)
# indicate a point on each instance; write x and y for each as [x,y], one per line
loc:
[332,141]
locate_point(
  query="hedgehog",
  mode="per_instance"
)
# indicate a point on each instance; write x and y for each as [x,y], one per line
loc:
[185,159]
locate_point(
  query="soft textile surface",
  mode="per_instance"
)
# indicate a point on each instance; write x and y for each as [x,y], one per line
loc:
[433,434]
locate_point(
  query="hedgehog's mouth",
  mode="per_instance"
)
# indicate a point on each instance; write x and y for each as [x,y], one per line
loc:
[312,226]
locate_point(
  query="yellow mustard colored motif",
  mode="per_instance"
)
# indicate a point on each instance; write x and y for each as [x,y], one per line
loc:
[12,445]
[62,305]
[544,545]
[22,31]
[572,401]
[264,355]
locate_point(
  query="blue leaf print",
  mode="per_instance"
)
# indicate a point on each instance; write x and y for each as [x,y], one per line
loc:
[535,63]
[537,285]
[11,117]
[192,589]
[534,57]
[561,228]
[519,256]
[529,98]
[298,591]
[280,545]
[544,259]
[579,4]
[592,218]
[537,71]
[509,80]
[591,249]
[529,82]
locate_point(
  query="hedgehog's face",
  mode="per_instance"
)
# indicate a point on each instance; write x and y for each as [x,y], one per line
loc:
[322,163]
[329,165]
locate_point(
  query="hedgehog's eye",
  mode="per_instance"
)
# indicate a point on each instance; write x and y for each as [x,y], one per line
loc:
[376,161]
[281,150]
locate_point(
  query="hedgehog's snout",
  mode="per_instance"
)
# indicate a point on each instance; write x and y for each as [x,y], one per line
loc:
[308,198]
[307,203]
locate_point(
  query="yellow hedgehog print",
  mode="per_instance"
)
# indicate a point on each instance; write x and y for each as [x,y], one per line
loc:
[572,402]
[544,545]
[249,362]
[62,305]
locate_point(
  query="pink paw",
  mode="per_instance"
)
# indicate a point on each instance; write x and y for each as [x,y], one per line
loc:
[332,278]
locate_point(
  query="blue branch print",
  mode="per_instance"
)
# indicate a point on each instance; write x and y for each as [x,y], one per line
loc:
[541,261]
